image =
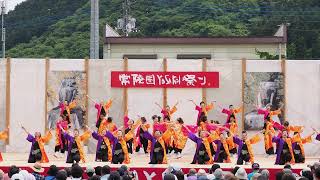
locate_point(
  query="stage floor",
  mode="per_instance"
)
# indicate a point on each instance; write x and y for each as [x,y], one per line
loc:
[140,160]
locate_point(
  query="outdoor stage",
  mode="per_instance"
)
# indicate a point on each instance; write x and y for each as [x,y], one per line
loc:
[139,163]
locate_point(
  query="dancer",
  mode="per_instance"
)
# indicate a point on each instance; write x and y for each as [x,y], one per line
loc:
[119,151]
[75,149]
[268,133]
[284,151]
[222,153]
[61,142]
[180,137]
[167,111]
[231,112]
[203,109]
[103,152]
[3,136]
[297,146]
[158,153]
[203,153]
[130,128]
[140,139]
[102,109]
[66,108]
[267,113]
[37,152]
[289,128]
[233,127]
[245,152]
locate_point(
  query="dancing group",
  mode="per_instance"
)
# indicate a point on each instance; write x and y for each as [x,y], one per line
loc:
[215,142]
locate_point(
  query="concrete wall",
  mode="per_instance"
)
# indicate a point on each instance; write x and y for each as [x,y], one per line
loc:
[170,51]
[28,93]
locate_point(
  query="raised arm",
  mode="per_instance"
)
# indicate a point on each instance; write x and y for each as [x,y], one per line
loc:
[95,135]
[148,136]
[255,139]
[110,136]
[193,102]
[157,104]
[191,136]
[47,137]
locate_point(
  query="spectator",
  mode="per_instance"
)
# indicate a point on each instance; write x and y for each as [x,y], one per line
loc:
[52,172]
[213,168]
[13,170]
[90,171]
[105,172]
[179,175]
[234,170]
[68,171]
[288,176]
[192,175]
[241,174]
[314,166]
[279,175]
[126,177]
[114,175]
[265,173]
[229,176]
[263,177]
[97,170]
[61,175]
[306,172]
[169,176]
[255,176]
[255,169]
[26,175]
[37,169]
[95,177]
[202,175]
[76,172]
[316,174]
[17,177]
[218,174]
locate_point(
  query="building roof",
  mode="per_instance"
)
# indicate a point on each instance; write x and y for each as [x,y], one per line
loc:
[195,40]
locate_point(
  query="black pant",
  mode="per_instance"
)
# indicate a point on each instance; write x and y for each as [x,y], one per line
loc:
[212,149]
[284,158]
[144,143]
[73,157]
[222,156]
[118,159]
[177,150]
[102,155]
[299,158]
[270,151]
[34,157]
[233,151]
[243,157]
[65,145]
[157,158]
[129,146]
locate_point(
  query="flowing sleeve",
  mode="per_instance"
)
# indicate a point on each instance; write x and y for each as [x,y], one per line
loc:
[261,111]
[192,128]
[236,140]
[95,135]
[225,111]
[97,106]
[278,126]
[47,137]
[198,108]
[72,105]
[85,136]
[173,110]
[212,137]
[209,107]
[125,121]
[237,110]
[256,138]
[148,136]
[110,136]
[275,139]
[166,135]
[128,136]
[192,137]
[277,112]
[108,104]
[296,128]
[30,138]
[3,135]
[307,139]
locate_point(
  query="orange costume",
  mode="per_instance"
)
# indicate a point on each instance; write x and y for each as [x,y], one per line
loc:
[78,140]
[248,143]
[3,135]
[38,145]
[297,146]
[166,113]
[203,111]
[67,108]
[107,126]
[268,133]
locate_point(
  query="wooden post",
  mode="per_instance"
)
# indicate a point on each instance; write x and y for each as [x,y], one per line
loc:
[244,71]
[8,99]
[204,90]
[165,93]
[284,71]
[46,92]
[86,69]
[125,90]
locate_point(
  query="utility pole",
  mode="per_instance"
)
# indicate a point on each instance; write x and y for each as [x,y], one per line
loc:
[127,23]
[3,30]
[94,30]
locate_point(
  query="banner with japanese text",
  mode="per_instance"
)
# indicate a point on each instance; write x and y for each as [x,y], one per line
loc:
[133,79]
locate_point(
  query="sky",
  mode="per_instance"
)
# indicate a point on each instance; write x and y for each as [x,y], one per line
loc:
[12,3]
